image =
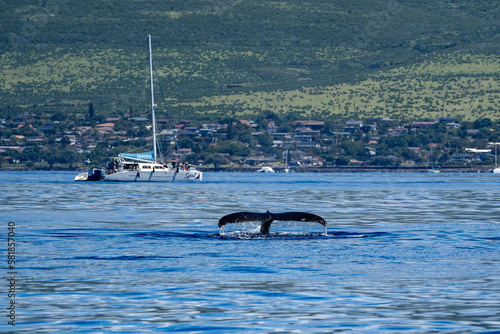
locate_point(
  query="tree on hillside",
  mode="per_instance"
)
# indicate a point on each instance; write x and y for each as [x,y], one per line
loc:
[91,110]
[63,156]
[265,141]
[232,148]
[58,116]
[354,149]
[216,159]
[342,161]
[482,123]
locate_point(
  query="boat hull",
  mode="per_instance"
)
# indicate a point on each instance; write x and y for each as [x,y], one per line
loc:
[93,174]
[156,176]
[265,169]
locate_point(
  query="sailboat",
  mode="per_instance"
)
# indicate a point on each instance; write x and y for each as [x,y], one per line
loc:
[429,161]
[286,170]
[145,167]
[495,170]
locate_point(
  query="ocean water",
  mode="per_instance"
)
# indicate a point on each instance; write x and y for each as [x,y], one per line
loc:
[402,253]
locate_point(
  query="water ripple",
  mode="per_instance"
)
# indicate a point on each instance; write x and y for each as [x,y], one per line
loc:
[402,253]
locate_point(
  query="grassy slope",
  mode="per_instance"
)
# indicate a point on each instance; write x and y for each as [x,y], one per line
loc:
[381,58]
[465,86]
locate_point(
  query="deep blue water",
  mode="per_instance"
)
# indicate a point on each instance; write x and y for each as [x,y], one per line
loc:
[412,253]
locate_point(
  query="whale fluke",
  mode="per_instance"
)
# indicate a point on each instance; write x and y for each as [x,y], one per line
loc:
[299,216]
[267,218]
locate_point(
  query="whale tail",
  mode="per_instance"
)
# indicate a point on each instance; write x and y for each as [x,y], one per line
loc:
[267,218]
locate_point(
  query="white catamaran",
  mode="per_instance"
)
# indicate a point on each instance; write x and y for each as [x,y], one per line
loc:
[144,167]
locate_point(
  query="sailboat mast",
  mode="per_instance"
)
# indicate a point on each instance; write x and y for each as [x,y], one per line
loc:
[152,97]
[496,162]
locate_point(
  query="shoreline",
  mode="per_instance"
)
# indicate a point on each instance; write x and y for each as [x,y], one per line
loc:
[354,169]
[328,169]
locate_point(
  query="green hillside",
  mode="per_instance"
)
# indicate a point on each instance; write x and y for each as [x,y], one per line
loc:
[403,59]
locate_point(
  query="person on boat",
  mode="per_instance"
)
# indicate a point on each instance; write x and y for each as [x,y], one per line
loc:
[110,167]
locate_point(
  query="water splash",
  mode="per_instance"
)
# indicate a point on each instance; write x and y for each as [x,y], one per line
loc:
[281,228]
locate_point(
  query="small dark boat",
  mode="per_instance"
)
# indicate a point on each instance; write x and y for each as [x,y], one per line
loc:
[93,174]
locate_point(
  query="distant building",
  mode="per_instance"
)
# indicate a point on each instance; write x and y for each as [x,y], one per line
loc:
[397,132]
[447,119]
[303,138]
[139,119]
[248,123]
[307,144]
[184,151]
[189,132]
[422,125]
[354,124]
[205,132]
[255,160]
[452,125]
[308,131]
[105,125]
[184,121]
[460,157]
[472,132]
[162,121]
[314,125]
